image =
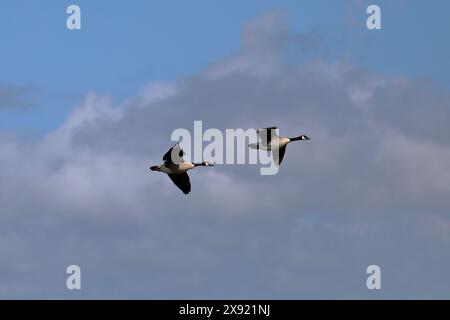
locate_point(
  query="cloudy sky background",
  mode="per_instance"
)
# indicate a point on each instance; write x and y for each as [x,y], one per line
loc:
[84,113]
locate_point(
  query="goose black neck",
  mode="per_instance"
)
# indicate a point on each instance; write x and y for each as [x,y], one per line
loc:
[296,138]
[200,164]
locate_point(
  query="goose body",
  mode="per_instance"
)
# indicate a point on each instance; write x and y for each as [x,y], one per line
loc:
[176,168]
[270,141]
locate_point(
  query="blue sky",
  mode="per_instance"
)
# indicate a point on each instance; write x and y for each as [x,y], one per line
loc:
[83,114]
[121,46]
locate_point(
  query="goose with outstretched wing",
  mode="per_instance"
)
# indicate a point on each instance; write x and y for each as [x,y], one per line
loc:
[270,141]
[176,168]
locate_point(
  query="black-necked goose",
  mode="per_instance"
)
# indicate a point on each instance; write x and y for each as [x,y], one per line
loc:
[176,168]
[270,141]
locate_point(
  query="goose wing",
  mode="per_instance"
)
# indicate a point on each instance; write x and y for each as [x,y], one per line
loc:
[279,155]
[181,181]
[174,155]
[267,134]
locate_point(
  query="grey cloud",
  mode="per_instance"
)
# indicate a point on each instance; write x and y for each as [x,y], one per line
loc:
[371,187]
[188,256]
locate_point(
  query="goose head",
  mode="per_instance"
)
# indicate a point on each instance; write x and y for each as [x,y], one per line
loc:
[300,138]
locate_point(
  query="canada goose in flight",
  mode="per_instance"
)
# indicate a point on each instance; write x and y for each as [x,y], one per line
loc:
[270,141]
[176,168]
